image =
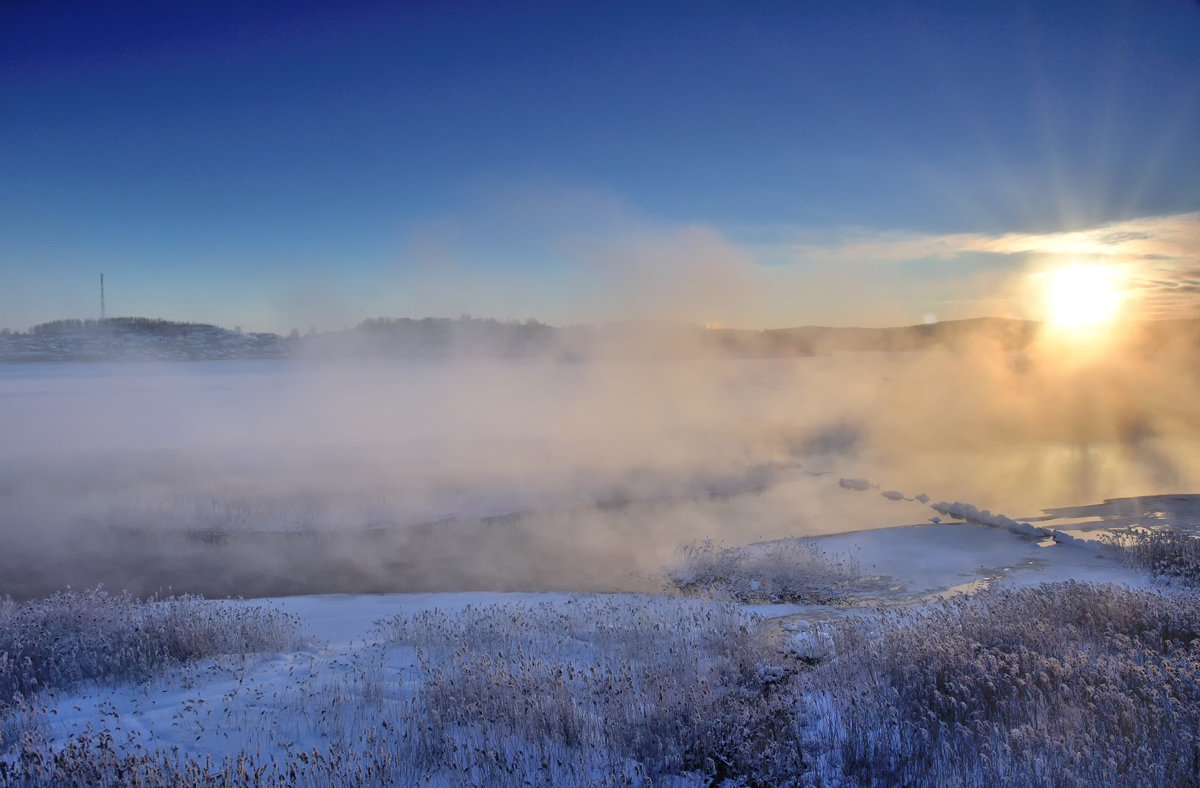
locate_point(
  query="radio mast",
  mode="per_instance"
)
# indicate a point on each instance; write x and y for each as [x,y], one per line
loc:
[102,296]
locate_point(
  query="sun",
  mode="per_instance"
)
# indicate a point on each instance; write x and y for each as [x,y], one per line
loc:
[1081,297]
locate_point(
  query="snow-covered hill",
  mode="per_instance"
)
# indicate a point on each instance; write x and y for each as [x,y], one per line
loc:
[136,339]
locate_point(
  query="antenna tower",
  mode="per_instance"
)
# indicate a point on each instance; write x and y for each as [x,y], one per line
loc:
[102,296]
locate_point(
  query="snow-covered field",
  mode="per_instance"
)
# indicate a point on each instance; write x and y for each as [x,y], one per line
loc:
[548,688]
[439,532]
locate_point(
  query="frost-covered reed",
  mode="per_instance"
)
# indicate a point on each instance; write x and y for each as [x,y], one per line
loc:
[1062,684]
[789,570]
[1164,552]
[618,691]
[64,640]
[1065,684]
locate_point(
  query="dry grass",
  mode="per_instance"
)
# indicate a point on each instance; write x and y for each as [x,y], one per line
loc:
[77,636]
[1067,684]
[1064,684]
[1161,551]
[789,570]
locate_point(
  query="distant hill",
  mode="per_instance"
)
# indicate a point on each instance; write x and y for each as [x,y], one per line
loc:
[138,338]
[135,339]
[822,340]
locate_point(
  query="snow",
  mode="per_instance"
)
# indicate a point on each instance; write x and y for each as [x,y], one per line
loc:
[931,559]
[340,620]
[291,701]
[283,701]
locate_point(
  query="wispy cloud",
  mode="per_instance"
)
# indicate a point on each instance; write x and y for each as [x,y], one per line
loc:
[1159,257]
[1164,238]
[567,255]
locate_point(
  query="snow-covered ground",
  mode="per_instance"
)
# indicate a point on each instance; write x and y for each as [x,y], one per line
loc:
[287,702]
[348,679]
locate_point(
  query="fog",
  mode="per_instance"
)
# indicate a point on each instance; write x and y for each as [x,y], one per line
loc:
[275,477]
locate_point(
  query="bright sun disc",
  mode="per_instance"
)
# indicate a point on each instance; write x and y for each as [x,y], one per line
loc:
[1081,296]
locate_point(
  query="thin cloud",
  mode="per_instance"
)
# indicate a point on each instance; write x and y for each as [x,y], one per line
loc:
[1168,238]
[1159,256]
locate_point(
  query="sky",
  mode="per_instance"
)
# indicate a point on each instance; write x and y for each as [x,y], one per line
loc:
[271,165]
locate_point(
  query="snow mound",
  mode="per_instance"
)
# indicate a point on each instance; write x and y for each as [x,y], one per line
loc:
[965,511]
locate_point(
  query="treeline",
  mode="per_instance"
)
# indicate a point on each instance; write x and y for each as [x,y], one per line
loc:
[437,328]
[136,339]
[434,337]
[114,325]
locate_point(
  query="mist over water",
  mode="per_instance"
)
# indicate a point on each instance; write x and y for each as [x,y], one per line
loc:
[257,478]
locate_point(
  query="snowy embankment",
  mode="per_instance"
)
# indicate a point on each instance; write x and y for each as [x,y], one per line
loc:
[556,688]
[562,689]
[451,689]
[559,688]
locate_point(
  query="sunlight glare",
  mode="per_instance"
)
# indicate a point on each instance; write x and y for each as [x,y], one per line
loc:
[1081,296]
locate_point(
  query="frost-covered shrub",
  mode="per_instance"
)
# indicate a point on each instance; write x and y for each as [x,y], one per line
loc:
[1164,551]
[789,570]
[1066,684]
[76,636]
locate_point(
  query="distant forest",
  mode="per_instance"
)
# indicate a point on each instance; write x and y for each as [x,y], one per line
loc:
[145,325]
[434,337]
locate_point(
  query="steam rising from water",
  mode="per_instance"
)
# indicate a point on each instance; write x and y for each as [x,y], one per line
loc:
[277,477]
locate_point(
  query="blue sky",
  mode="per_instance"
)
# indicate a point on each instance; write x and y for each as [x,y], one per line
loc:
[272,165]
